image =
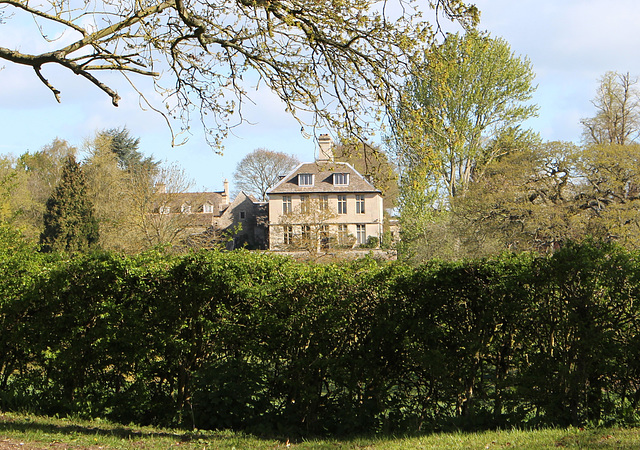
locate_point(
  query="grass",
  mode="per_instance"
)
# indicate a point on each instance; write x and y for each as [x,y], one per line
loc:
[32,432]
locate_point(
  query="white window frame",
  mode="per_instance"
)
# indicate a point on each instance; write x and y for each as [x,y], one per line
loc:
[304,204]
[343,233]
[164,209]
[342,204]
[359,204]
[207,208]
[288,235]
[185,208]
[341,179]
[305,179]
[324,202]
[361,234]
[286,204]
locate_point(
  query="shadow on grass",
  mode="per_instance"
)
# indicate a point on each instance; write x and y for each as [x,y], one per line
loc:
[26,424]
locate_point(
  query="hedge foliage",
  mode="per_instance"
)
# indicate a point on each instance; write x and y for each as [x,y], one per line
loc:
[261,343]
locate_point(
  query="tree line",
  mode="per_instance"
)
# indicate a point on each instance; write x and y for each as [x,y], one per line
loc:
[474,181]
[98,196]
[256,342]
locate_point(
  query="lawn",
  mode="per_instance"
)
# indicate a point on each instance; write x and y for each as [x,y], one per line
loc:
[33,432]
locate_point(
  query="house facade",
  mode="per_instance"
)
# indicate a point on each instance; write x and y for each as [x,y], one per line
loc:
[207,219]
[195,211]
[324,204]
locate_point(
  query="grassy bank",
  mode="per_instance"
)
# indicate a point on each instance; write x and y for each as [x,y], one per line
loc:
[32,432]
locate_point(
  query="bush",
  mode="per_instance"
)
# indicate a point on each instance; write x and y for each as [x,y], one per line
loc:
[259,342]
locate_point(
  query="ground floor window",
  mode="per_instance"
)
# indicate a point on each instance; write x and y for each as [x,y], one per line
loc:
[361,234]
[306,232]
[342,234]
[324,237]
[288,234]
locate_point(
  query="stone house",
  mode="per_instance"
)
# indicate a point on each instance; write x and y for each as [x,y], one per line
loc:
[207,219]
[324,204]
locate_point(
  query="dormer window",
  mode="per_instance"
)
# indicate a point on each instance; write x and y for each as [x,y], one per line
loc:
[164,209]
[207,208]
[185,208]
[305,179]
[341,179]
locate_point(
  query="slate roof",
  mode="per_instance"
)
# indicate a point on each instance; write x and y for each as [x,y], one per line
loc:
[323,179]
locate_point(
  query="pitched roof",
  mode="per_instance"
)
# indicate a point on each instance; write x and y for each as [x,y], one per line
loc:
[322,172]
[195,199]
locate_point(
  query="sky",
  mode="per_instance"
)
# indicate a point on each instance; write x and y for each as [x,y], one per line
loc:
[570,43]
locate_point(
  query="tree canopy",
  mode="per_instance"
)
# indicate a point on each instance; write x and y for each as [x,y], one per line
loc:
[126,148]
[261,170]
[69,224]
[326,57]
[617,118]
[471,91]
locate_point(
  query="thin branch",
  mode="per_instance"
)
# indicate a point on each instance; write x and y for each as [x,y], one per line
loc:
[56,93]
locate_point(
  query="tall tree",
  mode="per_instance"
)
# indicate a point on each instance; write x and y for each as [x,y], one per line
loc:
[261,170]
[110,188]
[461,110]
[69,224]
[470,90]
[617,119]
[126,148]
[333,58]
[39,173]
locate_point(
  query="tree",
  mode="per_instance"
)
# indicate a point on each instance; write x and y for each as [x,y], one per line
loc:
[36,175]
[69,224]
[540,198]
[125,147]
[261,170]
[313,55]
[610,191]
[110,188]
[462,109]
[471,90]
[617,119]
[527,200]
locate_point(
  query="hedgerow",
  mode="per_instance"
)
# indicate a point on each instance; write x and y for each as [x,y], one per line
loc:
[258,342]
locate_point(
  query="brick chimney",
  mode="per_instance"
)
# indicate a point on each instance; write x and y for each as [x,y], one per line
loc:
[326,148]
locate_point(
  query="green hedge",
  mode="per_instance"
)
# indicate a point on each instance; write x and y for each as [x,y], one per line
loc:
[258,342]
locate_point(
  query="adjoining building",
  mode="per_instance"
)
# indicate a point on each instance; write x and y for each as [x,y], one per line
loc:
[207,219]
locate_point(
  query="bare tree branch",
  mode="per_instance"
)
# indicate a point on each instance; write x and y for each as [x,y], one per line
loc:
[341,61]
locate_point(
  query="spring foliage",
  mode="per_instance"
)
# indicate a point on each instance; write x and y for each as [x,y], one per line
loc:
[69,224]
[257,342]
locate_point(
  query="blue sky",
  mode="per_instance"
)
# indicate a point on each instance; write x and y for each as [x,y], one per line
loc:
[571,43]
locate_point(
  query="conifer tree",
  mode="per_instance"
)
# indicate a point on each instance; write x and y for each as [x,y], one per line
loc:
[126,148]
[69,224]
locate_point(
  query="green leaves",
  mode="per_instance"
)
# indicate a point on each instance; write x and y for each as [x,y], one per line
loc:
[258,342]
[69,225]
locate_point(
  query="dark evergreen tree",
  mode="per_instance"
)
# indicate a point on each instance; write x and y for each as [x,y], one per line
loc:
[127,150]
[69,224]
